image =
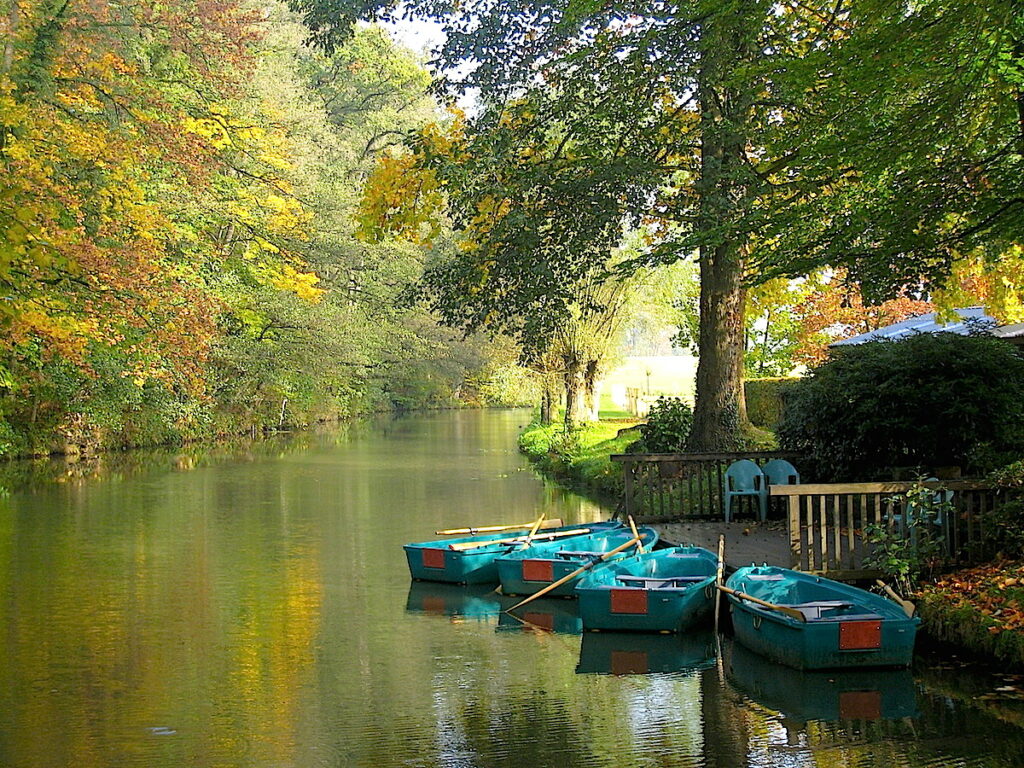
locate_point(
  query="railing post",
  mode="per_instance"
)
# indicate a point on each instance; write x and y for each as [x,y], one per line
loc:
[628,469]
[794,532]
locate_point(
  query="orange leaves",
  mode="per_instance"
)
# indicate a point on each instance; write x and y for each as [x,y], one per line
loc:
[836,310]
[994,591]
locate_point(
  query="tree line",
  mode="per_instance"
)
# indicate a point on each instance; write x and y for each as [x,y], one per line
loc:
[179,199]
[878,144]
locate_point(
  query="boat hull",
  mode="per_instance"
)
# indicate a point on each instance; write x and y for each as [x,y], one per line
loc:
[608,601]
[866,631]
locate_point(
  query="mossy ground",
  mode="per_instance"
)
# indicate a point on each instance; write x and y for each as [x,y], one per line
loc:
[980,608]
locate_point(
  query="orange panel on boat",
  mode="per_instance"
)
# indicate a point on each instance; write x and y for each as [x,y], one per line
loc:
[433,558]
[538,570]
[630,663]
[629,601]
[860,635]
[860,705]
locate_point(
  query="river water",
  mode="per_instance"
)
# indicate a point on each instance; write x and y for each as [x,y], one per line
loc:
[252,607]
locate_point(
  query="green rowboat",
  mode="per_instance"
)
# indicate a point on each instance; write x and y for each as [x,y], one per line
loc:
[525,571]
[667,590]
[446,560]
[843,626]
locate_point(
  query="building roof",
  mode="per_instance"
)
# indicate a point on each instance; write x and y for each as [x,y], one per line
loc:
[971,319]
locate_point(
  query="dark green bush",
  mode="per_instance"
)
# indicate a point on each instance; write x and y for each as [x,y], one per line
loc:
[668,426]
[764,400]
[927,401]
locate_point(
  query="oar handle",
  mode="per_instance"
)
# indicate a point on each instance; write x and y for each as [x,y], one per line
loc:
[555,522]
[533,530]
[467,545]
[636,535]
[574,574]
[908,607]
[791,612]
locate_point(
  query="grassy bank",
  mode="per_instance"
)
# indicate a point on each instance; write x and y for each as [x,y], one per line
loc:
[980,609]
[581,458]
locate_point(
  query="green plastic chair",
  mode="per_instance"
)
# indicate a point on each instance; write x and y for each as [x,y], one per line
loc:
[745,478]
[781,472]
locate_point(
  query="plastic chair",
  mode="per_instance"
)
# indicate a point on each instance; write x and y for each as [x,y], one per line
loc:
[745,478]
[781,472]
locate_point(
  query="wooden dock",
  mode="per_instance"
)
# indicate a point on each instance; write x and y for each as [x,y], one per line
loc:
[746,541]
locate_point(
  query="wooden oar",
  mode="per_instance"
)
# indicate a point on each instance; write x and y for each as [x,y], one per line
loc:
[793,613]
[574,574]
[555,522]
[718,578]
[466,545]
[908,607]
[533,531]
[639,541]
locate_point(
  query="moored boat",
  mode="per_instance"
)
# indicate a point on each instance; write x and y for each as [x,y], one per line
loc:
[471,559]
[525,571]
[818,623]
[666,590]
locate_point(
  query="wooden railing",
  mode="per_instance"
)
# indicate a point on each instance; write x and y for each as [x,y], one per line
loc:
[827,522]
[671,486]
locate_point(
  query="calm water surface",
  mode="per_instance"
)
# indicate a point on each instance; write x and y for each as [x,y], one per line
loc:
[253,608]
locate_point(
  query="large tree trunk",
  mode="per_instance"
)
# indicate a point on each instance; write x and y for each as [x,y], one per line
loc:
[575,408]
[547,403]
[720,412]
[591,394]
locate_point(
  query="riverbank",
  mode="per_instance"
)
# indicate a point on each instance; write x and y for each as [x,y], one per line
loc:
[582,459]
[980,609]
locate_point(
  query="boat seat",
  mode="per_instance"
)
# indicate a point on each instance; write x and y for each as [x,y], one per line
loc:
[654,583]
[813,610]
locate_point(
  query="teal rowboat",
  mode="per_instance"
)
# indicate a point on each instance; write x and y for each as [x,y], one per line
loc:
[439,560]
[667,590]
[844,627]
[526,571]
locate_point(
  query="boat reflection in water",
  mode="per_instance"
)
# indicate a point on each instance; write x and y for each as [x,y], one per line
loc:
[479,601]
[826,695]
[553,615]
[616,653]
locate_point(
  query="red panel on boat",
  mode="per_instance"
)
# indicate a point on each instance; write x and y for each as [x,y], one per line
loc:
[860,705]
[538,570]
[629,601]
[860,635]
[629,663]
[542,620]
[433,558]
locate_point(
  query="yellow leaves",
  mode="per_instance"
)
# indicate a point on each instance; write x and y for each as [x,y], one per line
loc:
[302,284]
[400,199]
[977,278]
[212,129]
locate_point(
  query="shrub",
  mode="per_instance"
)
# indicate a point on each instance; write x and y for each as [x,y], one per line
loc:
[906,553]
[764,399]
[927,401]
[668,426]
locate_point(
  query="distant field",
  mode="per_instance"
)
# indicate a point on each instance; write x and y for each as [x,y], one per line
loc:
[667,375]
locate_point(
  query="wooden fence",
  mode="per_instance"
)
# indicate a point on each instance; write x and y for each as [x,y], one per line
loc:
[827,522]
[672,486]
